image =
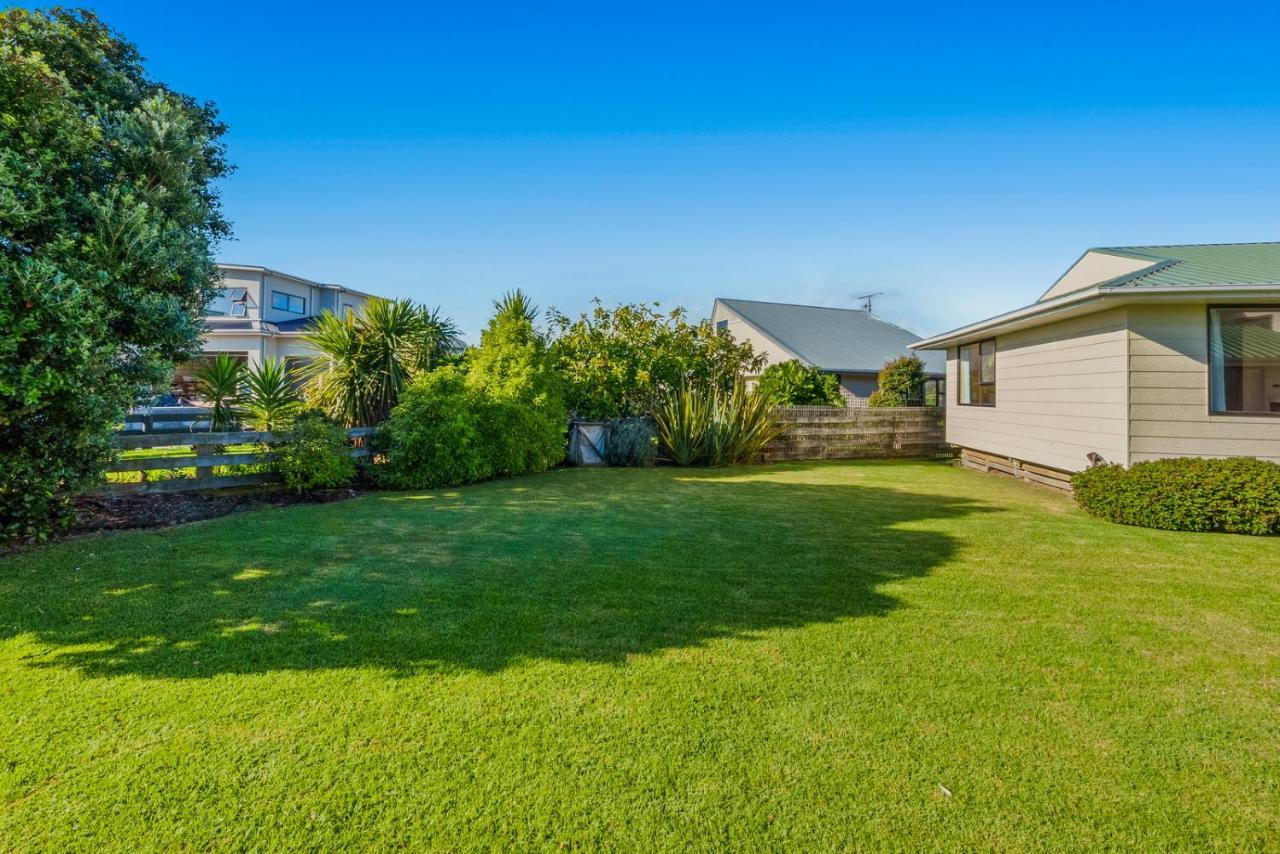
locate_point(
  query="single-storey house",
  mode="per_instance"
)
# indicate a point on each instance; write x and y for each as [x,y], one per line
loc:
[850,343]
[1135,353]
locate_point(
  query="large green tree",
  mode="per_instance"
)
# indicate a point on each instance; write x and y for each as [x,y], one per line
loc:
[624,361]
[109,214]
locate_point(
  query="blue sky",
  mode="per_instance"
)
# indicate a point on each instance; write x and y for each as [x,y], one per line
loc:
[957,157]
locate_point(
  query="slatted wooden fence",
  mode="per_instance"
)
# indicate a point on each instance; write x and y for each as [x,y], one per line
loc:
[210,450]
[859,432]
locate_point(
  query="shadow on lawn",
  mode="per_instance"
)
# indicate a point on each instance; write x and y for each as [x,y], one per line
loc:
[568,567]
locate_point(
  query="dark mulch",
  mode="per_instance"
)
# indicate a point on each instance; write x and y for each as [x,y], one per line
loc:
[121,512]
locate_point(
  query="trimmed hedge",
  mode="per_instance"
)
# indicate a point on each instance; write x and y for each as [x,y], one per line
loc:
[1240,495]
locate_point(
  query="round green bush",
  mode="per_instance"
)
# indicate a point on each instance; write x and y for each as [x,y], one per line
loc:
[315,455]
[793,383]
[1240,495]
[433,437]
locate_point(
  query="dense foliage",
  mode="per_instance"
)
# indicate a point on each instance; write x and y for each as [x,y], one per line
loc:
[792,383]
[1239,495]
[433,437]
[315,454]
[701,426]
[624,361]
[901,382]
[631,442]
[514,377]
[108,219]
[501,415]
[368,358]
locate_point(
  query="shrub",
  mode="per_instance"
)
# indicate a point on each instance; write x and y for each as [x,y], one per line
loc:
[1239,495]
[518,391]
[624,361]
[792,383]
[901,381]
[433,437]
[710,427]
[315,454]
[632,442]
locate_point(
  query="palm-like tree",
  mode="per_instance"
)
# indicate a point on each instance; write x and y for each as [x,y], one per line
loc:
[367,359]
[220,381]
[270,400]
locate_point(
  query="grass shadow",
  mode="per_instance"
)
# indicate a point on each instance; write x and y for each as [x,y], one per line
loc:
[571,566]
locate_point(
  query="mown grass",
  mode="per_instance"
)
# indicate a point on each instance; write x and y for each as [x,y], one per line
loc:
[808,656]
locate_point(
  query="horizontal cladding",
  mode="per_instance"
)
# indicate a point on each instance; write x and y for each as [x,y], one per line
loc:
[1169,399]
[1060,395]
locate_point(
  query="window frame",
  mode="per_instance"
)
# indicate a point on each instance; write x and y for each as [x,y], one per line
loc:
[1208,360]
[288,301]
[966,382]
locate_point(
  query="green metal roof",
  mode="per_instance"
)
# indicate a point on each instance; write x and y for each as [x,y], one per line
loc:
[842,340]
[1203,264]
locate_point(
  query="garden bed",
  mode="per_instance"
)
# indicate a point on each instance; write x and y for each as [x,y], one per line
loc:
[106,512]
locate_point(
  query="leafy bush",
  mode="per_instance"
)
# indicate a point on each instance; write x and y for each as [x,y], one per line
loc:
[109,216]
[315,454]
[632,442]
[711,427]
[901,381]
[1239,495]
[433,437]
[792,383]
[624,361]
[518,391]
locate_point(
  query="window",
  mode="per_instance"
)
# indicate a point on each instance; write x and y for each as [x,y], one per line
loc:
[288,302]
[978,374]
[1244,360]
[722,325]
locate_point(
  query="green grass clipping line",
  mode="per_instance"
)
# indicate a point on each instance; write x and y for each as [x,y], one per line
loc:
[816,656]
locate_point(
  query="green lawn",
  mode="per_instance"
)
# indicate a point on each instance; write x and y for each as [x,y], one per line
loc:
[797,656]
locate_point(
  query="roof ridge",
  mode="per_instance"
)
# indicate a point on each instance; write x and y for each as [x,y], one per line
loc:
[1134,246]
[793,304]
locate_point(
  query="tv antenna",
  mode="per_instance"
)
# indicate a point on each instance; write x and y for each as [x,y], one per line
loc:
[867,298]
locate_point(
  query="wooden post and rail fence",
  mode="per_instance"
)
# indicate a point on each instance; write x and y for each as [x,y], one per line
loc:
[210,450]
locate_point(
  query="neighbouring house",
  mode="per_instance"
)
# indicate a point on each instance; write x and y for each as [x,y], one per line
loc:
[262,313]
[853,344]
[1135,353]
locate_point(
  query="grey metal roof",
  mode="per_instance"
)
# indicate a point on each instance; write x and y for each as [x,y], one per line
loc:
[846,340]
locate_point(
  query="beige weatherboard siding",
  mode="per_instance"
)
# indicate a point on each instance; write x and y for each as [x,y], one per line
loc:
[1113,360]
[1060,394]
[1169,392]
